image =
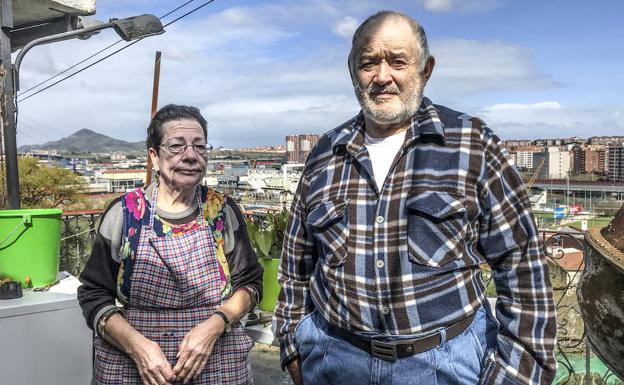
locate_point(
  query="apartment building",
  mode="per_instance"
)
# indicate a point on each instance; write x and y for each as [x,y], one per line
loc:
[555,163]
[298,147]
[615,163]
[589,158]
[523,155]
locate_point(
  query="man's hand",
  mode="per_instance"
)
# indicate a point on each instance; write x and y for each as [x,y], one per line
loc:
[152,364]
[196,347]
[294,369]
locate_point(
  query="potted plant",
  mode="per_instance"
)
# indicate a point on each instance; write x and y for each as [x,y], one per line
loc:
[266,234]
[600,293]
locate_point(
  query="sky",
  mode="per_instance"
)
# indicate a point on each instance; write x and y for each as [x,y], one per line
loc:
[261,70]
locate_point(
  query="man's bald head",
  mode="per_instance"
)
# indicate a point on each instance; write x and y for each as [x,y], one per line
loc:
[367,27]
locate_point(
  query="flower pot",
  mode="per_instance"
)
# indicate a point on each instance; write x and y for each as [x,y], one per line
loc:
[270,286]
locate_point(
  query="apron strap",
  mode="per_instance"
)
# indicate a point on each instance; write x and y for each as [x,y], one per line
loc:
[200,205]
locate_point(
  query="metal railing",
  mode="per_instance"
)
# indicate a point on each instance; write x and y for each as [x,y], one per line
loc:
[571,333]
[78,231]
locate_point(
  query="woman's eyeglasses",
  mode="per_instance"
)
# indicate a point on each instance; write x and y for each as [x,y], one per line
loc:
[179,148]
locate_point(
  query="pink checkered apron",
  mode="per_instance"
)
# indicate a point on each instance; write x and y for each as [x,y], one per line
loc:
[175,286]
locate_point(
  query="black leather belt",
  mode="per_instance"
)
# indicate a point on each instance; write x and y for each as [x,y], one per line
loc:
[392,350]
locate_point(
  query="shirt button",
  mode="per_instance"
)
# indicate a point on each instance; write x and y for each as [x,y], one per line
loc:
[385,310]
[379,219]
[380,263]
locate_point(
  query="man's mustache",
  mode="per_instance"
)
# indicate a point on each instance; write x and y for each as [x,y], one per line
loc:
[376,90]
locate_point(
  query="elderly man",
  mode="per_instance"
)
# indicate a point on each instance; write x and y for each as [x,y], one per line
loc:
[395,211]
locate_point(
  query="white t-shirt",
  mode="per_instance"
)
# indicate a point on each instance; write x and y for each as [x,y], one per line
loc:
[382,152]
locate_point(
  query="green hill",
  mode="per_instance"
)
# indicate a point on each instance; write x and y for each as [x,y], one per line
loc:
[86,140]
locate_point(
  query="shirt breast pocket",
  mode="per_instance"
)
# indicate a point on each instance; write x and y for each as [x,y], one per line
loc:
[436,222]
[329,224]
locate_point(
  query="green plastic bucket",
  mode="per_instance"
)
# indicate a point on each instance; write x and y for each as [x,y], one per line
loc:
[270,286]
[29,245]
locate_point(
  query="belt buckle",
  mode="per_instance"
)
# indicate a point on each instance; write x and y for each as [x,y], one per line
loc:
[384,350]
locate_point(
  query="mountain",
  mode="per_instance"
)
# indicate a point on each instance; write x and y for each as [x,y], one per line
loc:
[86,140]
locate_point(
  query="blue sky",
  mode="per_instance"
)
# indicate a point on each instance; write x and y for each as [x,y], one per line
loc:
[260,70]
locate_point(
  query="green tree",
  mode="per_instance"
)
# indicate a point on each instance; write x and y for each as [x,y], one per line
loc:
[43,186]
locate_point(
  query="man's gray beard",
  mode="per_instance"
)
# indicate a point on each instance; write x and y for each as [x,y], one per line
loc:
[404,113]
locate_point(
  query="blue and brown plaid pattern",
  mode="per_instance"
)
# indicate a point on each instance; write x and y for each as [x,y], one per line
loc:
[175,286]
[405,259]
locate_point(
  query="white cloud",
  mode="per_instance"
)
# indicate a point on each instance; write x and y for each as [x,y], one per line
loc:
[441,6]
[345,27]
[465,67]
[540,114]
[547,119]
[618,117]
[437,5]
[524,107]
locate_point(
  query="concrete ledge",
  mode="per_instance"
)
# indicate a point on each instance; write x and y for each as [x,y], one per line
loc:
[27,12]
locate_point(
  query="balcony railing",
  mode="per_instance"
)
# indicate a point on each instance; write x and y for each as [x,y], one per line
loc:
[78,231]
[574,356]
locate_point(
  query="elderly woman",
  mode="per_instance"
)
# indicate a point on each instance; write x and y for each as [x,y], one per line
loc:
[177,257]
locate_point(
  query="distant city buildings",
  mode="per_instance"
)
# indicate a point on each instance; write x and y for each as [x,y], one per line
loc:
[278,148]
[118,156]
[298,147]
[562,158]
[606,140]
[267,176]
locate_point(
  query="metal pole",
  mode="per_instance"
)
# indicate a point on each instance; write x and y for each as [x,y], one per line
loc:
[7,106]
[156,85]
[588,380]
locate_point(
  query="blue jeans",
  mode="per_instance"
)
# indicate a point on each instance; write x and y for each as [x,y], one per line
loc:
[330,360]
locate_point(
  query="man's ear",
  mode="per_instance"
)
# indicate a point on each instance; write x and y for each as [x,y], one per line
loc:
[350,65]
[428,70]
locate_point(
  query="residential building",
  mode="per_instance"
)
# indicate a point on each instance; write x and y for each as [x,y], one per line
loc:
[524,159]
[555,163]
[615,164]
[298,147]
[523,155]
[589,158]
[606,140]
[517,143]
[123,180]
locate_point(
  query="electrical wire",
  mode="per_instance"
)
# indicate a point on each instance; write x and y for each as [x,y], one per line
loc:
[189,12]
[36,130]
[69,68]
[172,11]
[79,71]
[95,54]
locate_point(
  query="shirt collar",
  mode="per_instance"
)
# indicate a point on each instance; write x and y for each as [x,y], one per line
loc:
[425,125]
